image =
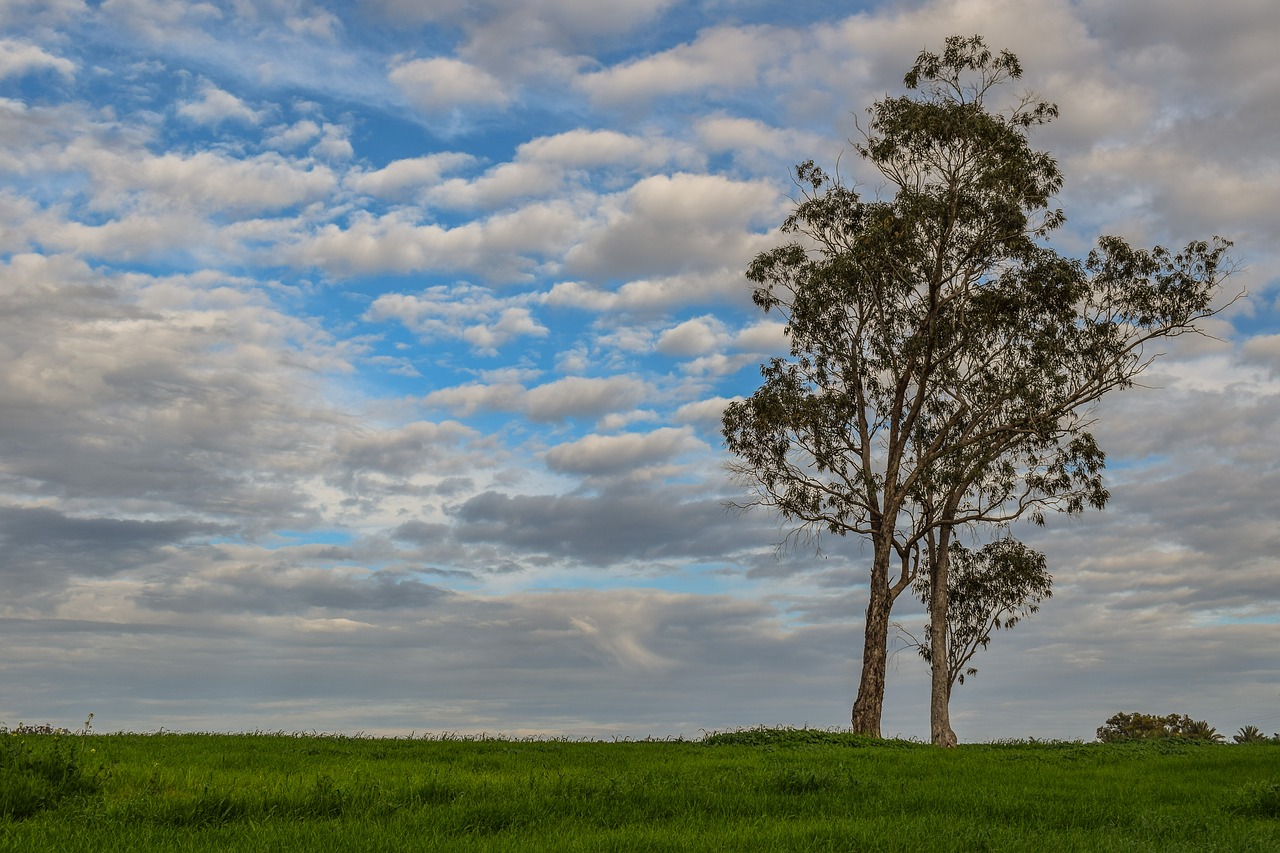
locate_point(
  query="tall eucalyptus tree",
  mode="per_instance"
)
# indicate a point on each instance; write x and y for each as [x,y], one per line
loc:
[943,359]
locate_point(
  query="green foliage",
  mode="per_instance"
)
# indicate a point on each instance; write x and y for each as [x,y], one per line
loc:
[1251,734]
[990,589]
[1137,726]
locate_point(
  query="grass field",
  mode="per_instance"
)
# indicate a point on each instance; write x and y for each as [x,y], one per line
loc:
[752,790]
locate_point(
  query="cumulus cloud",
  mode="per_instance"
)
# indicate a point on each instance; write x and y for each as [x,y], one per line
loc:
[692,337]
[294,135]
[503,247]
[722,57]
[653,295]
[541,165]
[678,223]
[611,454]
[215,106]
[576,397]
[462,311]
[442,83]
[400,178]
[18,57]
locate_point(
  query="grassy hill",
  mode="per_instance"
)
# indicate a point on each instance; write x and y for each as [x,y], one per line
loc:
[753,790]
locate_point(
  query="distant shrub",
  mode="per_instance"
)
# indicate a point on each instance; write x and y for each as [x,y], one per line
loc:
[1250,734]
[1136,726]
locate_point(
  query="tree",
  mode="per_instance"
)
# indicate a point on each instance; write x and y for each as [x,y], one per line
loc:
[1136,726]
[942,358]
[1201,730]
[990,589]
[1250,734]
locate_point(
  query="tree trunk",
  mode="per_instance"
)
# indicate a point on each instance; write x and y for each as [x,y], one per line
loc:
[940,731]
[869,706]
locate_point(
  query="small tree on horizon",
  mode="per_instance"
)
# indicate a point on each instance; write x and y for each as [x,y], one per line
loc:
[992,589]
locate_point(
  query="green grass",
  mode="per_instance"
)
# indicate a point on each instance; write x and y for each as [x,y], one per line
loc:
[752,790]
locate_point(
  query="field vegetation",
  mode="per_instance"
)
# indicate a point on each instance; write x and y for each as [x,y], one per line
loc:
[759,789]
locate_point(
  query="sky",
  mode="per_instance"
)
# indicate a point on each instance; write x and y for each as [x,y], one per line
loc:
[361,366]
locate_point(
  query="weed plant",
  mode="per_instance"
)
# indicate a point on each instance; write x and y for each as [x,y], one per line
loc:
[756,789]
[41,766]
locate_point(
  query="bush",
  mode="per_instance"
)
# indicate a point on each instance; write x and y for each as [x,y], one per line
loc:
[1136,726]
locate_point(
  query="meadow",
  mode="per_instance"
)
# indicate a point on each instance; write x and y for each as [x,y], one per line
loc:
[759,789]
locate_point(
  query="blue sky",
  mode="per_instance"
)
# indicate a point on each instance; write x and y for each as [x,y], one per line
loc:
[361,365]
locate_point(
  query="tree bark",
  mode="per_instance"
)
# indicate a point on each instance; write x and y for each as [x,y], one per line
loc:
[869,705]
[940,731]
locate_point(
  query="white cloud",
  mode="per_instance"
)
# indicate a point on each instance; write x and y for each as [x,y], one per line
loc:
[611,454]
[692,337]
[705,414]
[765,337]
[316,24]
[334,143]
[682,222]
[589,149]
[294,135]
[399,178]
[17,57]
[541,165]
[215,106]
[656,294]
[576,397]
[583,397]
[723,57]
[441,83]
[461,311]
[503,247]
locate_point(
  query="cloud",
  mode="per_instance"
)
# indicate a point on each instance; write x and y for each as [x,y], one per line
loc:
[704,412]
[158,396]
[612,454]
[161,21]
[602,530]
[503,247]
[583,397]
[400,178]
[18,58]
[678,223]
[278,586]
[44,547]
[654,295]
[542,165]
[403,451]
[692,337]
[767,337]
[576,397]
[722,57]
[293,135]
[461,311]
[441,83]
[216,106]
